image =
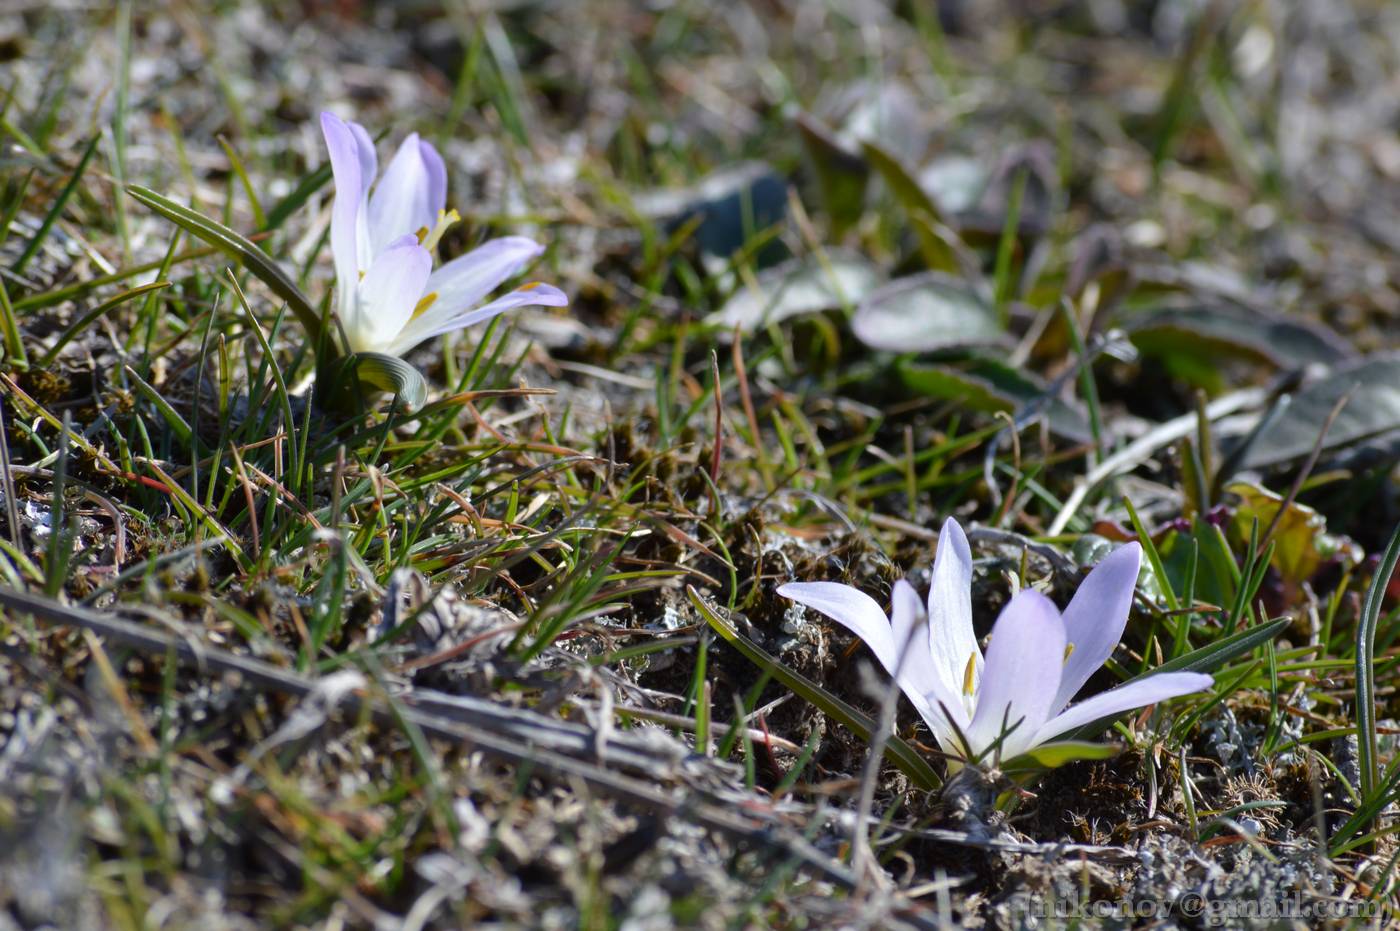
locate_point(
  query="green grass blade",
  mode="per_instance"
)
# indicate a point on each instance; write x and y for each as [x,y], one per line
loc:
[270,359]
[1206,659]
[172,417]
[900,753]
[1214,655]
[87,319]
[297,199]
[1154,558]
[1006,246]
[236,164]
[9,332]
[59,203]
[1367,751]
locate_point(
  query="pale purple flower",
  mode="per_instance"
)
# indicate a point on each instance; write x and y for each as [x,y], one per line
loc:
[1037,658]
[389,298]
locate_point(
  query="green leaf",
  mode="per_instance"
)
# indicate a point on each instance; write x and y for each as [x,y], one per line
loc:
[900,753]
[983,384]
[1060,752]
[799,286]
[939,246]
[1206,659]
[258,263]
[1213,330]
[842,175]
[1300,537]
[955,182]
[925,312]
[730,207]
[391,374]
[902,185]
[1374,409]
[1216,578]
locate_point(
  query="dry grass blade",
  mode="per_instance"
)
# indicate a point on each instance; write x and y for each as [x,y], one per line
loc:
[543,746]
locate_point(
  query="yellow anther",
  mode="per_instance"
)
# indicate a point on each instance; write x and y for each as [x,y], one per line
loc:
[968,673]
[429,238]
[424,304]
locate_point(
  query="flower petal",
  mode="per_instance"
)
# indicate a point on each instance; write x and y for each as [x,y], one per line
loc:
[388,294]
[854,610]
[364,149]
[466,279]
[347,167]
[369,168]
[907,626]
[1095,618]
[951,637]
[916,674]
[437,179]
[543,295]
[403,202]
[895,645]
[1024,659]
[1125,697]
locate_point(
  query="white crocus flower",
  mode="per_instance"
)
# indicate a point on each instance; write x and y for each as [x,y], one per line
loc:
[1037,658]
[389,298]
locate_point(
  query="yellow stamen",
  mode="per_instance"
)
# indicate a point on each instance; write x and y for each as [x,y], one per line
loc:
[967,674]
[430,238]
[528,286]
[424,304]
[1069,648]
